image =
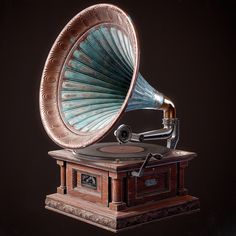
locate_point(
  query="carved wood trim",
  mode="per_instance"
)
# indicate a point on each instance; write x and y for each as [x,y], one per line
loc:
[117,223]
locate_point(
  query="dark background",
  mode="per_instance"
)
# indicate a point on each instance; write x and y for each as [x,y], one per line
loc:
[187,52]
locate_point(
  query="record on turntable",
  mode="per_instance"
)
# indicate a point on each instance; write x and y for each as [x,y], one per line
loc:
[114,151]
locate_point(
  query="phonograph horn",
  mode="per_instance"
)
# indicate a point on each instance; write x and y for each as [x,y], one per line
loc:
[91,77]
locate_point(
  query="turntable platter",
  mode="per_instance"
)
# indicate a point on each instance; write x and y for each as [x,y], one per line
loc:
[112,151]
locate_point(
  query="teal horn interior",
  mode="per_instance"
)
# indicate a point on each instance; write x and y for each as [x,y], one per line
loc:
[96,78]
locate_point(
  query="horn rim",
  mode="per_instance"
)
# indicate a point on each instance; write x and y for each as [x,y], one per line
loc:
[51,118]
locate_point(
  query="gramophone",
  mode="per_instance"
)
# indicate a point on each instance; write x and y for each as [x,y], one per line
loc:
[90,79]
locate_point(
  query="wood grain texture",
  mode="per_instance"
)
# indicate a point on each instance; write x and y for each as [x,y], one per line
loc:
[114,199]
[164,178]
[98,195]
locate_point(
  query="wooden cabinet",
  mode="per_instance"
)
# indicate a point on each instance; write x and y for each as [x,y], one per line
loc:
[106,194]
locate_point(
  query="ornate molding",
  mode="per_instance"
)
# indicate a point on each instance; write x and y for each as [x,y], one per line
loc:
[116,224]
[81,213]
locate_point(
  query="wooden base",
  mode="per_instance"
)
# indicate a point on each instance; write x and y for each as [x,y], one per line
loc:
[117,221]
[108,195]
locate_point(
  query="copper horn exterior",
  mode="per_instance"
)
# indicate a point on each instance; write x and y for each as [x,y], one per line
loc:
[91,77]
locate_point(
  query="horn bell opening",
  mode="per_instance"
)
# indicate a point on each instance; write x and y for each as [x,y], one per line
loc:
[89,76]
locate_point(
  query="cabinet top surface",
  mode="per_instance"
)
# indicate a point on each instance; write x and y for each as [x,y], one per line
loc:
[119,160]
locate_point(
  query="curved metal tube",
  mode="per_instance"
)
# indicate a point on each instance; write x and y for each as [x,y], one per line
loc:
[168,108]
